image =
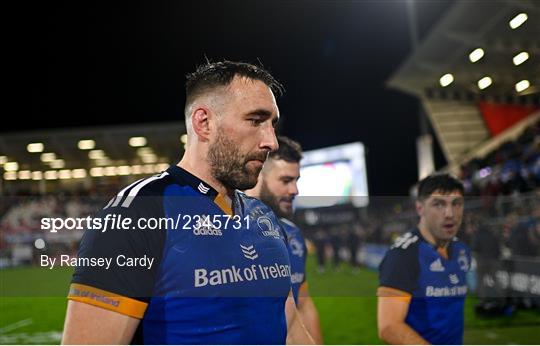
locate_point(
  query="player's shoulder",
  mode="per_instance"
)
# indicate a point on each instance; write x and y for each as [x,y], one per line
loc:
[404,249]
[141,193]
[289,225]
[255,205]
[406,242]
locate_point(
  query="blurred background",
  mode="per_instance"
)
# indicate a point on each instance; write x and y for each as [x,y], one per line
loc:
[379,94]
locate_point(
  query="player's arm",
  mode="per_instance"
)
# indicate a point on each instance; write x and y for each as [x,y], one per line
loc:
[309,314]
[296,331]
[88,324]
[106,303]
[392,307]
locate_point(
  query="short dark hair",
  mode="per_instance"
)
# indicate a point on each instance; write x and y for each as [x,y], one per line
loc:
[444,183]
[216,74]
[288,150]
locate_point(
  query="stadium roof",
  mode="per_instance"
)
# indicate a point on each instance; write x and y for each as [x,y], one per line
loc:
[152,144]
[467,26]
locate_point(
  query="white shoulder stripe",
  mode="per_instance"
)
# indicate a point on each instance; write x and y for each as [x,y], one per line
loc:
[121,193]
[110,202]
[131,195]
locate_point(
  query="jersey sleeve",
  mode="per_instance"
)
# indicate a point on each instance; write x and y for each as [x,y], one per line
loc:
[127,258]
[399,269]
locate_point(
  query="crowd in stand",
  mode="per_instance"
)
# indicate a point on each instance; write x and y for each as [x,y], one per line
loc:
[512,168]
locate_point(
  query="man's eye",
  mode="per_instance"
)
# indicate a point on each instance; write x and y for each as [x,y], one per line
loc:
[256,122]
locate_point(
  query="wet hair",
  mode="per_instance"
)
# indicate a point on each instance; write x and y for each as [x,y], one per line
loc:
[213,75]
[288,150]
[444,183]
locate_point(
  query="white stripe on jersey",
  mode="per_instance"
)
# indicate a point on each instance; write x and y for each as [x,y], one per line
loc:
[131,195]
[121,193]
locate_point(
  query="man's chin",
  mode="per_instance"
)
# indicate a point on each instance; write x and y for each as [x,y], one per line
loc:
[285,212]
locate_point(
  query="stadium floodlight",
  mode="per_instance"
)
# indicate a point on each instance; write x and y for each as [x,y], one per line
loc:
[78,173]
[123,170]
[109,171]
[103,162]
[11,166]
[518,20]
[136,169]
[183,138]
[35,147]
[484,82]
[64,174]
[3,159]
[51,175]
[137,141]
[10,176]
[144,151]
[96,172]
[37,175]
[445,80]
[476,55]
[522,85]
[86,144]
[520,58]
[149,158]
[48,157]
[58,163]
[25,175]
[96,154]
[148,169]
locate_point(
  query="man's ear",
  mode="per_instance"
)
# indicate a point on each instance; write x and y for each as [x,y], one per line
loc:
[200,123]
[419,208]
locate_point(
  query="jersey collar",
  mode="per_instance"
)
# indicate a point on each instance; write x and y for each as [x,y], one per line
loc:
[185,177]
[416,231]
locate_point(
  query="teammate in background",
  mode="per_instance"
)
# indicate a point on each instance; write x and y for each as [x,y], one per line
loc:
[423,276]
[212,283]
[277,188]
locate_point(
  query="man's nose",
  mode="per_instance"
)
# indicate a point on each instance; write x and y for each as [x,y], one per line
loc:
[269,139]
[449,211]
[293,188]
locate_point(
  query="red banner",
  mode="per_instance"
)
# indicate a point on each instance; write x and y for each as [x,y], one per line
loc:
[499,117]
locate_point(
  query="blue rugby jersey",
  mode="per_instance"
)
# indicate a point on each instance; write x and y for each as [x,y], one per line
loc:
[437,285]
[211,282]
[297,255]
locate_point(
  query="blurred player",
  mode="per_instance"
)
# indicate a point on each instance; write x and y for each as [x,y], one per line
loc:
[277,188]
[216,278]
[423,276]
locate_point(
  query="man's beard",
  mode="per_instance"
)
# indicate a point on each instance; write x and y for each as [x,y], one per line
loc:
[272,201]
[229,167]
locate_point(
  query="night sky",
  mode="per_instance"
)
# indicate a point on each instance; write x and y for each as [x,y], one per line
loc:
[98,63]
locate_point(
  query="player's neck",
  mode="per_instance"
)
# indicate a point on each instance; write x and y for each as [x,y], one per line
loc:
[201,170]
[429,237]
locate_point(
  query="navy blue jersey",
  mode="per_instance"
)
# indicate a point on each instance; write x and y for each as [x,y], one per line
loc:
[297,255]
[218,275]
[437,285]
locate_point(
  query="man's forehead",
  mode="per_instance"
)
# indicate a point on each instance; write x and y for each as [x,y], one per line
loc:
[252,96]
[282,167]
[446,194]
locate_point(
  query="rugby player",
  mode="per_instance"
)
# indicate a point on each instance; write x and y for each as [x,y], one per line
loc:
[423,276]
[217,279]
[277,188]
